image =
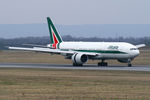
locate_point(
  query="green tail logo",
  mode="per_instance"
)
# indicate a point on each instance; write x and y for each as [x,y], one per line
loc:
[54,36]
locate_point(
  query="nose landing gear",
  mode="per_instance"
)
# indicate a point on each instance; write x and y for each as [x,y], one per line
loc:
[129,63]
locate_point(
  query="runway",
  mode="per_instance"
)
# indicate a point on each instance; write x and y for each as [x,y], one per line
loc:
[85,67]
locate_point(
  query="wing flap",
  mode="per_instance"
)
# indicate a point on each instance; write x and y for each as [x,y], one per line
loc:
[48,50]
[37,49]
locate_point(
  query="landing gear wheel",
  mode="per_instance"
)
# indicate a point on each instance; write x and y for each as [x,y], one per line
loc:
[129,63]
[75,64]
[102,64]
[106,64]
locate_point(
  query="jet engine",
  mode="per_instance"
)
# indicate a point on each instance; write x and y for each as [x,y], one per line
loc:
[79,58]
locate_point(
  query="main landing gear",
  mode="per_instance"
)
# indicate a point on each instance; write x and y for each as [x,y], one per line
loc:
[75,64]
[103,63]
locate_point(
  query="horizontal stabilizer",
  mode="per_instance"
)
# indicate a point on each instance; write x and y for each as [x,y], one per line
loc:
[140,45]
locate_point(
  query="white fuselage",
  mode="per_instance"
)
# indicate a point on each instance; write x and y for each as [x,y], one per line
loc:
[104,50]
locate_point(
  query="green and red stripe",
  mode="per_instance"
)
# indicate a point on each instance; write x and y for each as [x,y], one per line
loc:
[54,36]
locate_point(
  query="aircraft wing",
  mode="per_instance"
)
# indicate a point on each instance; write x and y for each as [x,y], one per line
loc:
[35,45]
[49,50]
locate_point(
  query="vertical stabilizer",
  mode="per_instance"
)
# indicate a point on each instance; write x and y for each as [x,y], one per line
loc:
[54,35]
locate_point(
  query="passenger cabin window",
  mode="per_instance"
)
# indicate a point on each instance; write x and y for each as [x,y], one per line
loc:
[133,49]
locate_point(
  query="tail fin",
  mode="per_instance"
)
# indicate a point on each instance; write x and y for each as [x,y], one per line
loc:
[54,35]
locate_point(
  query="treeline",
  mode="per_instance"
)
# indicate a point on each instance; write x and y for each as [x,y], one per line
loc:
[46,40]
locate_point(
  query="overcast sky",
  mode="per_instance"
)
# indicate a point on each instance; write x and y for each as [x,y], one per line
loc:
[72,12]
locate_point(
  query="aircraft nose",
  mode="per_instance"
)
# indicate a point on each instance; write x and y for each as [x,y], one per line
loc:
[136,53]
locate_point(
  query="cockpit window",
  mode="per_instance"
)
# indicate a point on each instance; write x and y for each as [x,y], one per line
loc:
[133,49]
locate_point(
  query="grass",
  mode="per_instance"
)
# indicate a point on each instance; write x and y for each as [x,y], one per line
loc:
[34,57]
[51,84]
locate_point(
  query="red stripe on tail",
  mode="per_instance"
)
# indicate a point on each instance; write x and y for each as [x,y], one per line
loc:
[55,41]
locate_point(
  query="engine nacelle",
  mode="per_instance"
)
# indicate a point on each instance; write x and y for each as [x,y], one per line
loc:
[123,60]
[79,58]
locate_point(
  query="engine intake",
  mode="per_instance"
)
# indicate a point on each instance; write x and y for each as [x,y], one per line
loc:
[79,58]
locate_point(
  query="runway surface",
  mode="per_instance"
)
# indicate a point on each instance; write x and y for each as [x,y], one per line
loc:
[85,67]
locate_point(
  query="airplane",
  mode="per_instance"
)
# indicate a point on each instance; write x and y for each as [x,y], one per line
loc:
[81,52]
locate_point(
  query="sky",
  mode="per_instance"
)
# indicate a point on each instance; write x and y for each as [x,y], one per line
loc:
[75,12]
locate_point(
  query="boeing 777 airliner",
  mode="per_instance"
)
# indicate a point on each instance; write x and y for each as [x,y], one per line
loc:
[81,52]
